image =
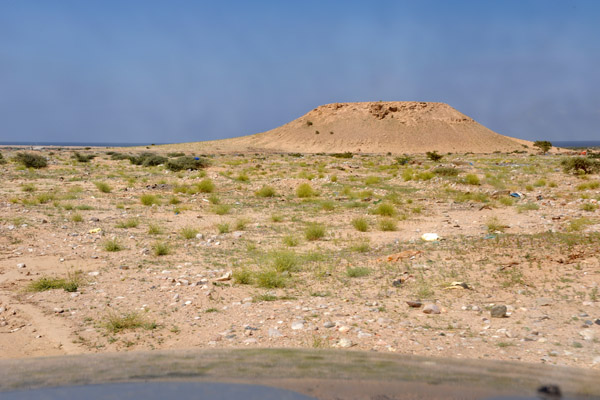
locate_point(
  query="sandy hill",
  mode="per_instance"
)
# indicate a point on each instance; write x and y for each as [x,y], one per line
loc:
[377,127]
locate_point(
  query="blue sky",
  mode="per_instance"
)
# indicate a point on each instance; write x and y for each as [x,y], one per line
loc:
[174,71]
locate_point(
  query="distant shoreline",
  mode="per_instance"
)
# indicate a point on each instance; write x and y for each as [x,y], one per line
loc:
[75,144]
[572,144]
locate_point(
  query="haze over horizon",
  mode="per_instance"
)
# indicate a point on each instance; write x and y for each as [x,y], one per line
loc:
[148,71]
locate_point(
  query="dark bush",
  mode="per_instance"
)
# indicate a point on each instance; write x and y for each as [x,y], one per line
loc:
[580,165]
[434,156]
[342,155]
[295,154]
[2,159]
[186,163]
[83,158]
[543,145]
[120,156]
[403,160]
[140,158]
[30,160]
[176,154]
[154,160]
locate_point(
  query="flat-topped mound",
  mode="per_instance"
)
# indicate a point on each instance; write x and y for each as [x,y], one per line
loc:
[377,127]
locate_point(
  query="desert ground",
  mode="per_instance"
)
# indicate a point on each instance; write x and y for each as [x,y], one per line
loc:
[301,250]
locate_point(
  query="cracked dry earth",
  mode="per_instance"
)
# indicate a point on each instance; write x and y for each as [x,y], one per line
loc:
[242,270]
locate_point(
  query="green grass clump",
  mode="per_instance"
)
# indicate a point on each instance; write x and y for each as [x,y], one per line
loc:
[270,279]
[276,217]
[472,179]
[372,180]
[327,205]
[222,209]
[76,217]
[385,210]
[387,225]
[112,245]
[290,240]
[69,284]
[357,272]
[28,187]
[149,199]
[424,176]
[266,191]
[579,224]
[361,247]
[103,187]
[161,249]
[154,229]
[223,228]
[304,190]
[360,224]
[588,186]
[283,260]
[188,232]
[129,223]
[527,207]
[495,225]
[44,198]
[314,231]
[589,207]
[206,186]
[241,224]
[243,276]
[115,323]
[242,177]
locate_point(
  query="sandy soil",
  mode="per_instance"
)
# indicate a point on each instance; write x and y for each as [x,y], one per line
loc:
[538,255]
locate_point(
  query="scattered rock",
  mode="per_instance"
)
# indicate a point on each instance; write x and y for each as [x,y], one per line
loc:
[414,304]
[298,325]
[431,309]
[345,343]
[587,334]
[328,324]
[498,311]
[274,333]
[225,277]
[21,265]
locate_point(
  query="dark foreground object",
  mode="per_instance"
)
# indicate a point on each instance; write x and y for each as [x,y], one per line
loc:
[285,374]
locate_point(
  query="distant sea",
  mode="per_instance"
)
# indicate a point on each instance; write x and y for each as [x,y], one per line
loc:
[76,144]
[577,143]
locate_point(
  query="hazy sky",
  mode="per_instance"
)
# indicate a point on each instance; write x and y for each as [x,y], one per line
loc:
[173,71]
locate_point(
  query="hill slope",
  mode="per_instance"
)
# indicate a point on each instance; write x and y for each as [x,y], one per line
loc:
[376,127]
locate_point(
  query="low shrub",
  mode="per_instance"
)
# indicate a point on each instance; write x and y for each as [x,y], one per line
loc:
[103,187]
[266,191]
[314,231]
[580,165]
[434,156]
[186,163]
[387,225]
[83,158]
[30,160]
[304,190]
[360,224]
[342,155]
[149,199]
[206,186]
